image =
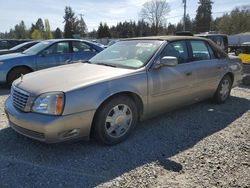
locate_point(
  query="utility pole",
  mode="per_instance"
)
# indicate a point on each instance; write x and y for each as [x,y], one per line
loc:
[184,16]
[81,15]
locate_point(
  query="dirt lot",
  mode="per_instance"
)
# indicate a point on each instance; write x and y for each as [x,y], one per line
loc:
[204,145]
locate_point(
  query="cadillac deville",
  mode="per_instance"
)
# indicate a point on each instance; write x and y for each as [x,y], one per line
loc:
[130,81]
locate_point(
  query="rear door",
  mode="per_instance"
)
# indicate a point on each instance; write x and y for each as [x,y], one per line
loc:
[82,51]
[55,55]
[206,67]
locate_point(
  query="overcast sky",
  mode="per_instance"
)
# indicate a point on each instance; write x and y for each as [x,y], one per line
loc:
[95,11]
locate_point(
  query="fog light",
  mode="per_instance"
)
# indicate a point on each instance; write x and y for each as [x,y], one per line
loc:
[70,133]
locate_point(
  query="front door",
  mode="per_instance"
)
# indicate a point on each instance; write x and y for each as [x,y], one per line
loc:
[57,54]
[170,87]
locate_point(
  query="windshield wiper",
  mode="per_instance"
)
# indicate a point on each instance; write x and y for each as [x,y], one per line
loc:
[105,64]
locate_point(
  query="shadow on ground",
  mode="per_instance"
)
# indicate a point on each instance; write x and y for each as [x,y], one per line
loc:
[25,162]
[4,90]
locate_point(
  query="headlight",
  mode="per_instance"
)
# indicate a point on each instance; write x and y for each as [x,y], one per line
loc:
[49,103]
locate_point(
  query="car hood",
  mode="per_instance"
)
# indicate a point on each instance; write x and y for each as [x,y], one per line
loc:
[12,56]
[68,77]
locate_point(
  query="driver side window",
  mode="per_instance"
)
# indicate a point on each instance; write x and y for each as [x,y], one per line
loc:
[58,48]
[176,49]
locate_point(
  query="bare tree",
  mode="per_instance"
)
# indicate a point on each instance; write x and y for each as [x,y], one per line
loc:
[154,12]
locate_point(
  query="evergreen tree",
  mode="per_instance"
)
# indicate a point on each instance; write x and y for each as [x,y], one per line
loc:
[48,34]
[203,17]
[238,21]
[58,33]
[103,31]
[32,28]
[20,31]
[71,26]
[92,34]
[171,29]
[40,26]
[100,31]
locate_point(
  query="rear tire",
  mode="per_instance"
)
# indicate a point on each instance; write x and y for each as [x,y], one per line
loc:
[115,120]
[223,91]
[15,74]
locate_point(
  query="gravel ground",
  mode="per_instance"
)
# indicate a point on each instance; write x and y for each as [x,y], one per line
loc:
[203,145]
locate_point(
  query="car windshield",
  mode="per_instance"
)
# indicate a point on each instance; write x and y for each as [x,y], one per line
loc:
[127,54]
[37,48]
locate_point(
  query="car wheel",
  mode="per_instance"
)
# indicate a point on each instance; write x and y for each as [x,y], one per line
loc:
[115,120]
[15,74]
[223,91]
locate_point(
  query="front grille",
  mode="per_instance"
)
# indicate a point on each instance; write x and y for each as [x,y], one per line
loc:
[28,132]
[19,98]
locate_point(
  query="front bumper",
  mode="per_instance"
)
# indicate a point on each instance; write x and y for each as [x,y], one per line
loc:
[2,76]
[49,129]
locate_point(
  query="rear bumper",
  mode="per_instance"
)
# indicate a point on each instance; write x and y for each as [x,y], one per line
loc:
[50,129]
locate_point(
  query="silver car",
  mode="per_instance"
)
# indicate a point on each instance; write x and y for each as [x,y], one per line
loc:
[130,81]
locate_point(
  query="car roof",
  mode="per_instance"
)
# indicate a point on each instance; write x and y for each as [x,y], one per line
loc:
[168,38]
[57,40]
[207,34]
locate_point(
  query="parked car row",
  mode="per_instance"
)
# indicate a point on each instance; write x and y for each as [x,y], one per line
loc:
[132,80]
[19,48]
[45,54]
[9,43]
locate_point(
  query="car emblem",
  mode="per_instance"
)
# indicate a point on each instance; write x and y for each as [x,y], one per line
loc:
[21,77]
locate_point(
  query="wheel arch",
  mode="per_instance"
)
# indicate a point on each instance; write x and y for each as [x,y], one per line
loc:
[17,67]
[231,75]
[134,96]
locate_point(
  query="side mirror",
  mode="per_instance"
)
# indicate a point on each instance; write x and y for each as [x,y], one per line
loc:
[168,61]
[44,53]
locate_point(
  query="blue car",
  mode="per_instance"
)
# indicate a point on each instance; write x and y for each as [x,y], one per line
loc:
[45,54]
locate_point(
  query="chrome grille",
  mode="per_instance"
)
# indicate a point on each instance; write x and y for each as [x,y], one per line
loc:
[19,98]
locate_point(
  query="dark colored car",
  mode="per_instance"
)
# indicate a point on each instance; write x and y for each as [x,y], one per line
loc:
[9,43]
[45,54]
[219,39]
[19,48]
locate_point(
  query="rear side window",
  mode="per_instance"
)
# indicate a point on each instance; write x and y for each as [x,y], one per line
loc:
[211,52]
[82,47]
[177,49]
[199,50]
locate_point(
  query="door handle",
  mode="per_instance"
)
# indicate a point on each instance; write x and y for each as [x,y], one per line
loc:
[188,73]
[67,61]
[219,67]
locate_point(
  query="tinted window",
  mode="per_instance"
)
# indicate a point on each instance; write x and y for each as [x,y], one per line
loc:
[82,47]
[199,50]
[60,47]
[3,44]
[177,49]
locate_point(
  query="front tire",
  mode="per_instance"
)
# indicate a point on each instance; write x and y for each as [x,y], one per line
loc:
[223,91]
[15,74]
[115,120]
